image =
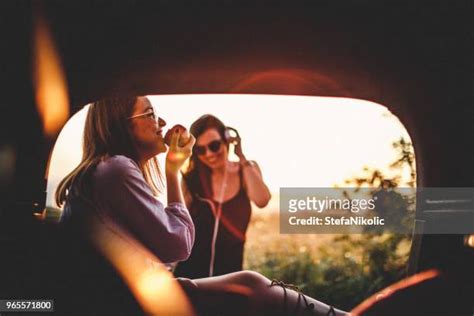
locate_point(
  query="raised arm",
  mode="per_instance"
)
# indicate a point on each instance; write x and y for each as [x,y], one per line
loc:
[254,185]
[256,188]
[188,197]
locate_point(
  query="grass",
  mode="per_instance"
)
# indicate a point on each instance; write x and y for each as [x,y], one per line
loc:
[341,270]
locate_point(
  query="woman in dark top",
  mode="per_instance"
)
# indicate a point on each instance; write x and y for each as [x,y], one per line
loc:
[218,194]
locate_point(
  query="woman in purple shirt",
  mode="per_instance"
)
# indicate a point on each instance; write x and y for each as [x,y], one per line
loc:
[119,175]
[119,179]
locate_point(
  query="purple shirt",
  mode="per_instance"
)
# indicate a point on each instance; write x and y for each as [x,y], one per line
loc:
[121,194]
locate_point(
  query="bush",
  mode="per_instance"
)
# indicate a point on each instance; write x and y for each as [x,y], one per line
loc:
[343,273]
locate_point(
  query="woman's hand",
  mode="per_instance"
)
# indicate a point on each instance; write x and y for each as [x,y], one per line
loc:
[177,154]
[238,148]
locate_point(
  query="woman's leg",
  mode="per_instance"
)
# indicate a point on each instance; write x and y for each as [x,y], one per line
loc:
[225,299]
[267,297]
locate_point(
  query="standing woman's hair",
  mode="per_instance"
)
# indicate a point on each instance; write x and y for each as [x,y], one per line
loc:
[106,133]
[197,175]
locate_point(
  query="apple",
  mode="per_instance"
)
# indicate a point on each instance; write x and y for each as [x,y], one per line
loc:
[184,138]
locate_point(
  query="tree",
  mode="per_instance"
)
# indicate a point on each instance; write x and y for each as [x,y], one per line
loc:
[375,178]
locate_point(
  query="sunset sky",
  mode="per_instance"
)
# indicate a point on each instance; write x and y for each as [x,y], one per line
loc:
[298,141]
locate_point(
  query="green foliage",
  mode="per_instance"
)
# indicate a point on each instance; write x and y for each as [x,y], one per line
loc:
[345,272]
[348,269]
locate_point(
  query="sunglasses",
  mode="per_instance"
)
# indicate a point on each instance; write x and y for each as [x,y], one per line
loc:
[213,146]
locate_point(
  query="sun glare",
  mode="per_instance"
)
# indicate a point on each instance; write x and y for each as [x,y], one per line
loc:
[50,83]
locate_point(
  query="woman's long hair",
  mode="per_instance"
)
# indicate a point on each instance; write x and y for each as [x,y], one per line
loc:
[106,133]
[198,175]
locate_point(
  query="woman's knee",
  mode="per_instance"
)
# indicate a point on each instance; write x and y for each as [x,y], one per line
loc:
[251,279]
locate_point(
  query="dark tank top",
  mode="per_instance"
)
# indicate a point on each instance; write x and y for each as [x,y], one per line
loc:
[229,247]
